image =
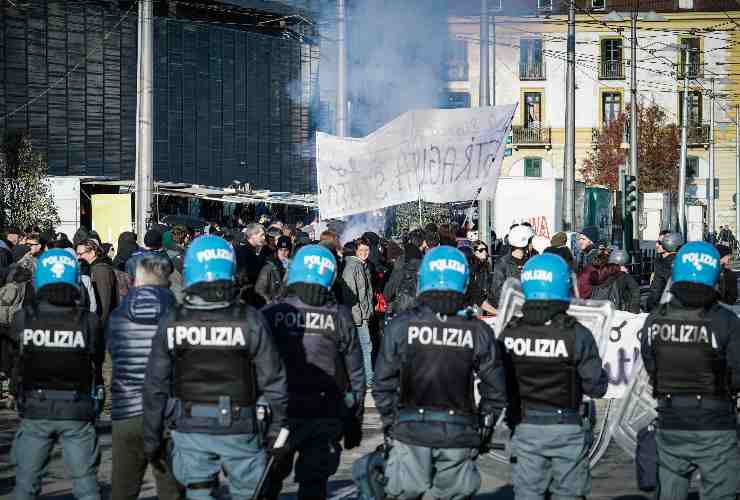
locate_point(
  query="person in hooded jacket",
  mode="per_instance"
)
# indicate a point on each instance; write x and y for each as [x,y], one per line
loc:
[691,351]
[129,334]
[127,246]
[270,280]
[318,343]
[424,392]
[552,362]
[511,264]
[480,278]
[58,382]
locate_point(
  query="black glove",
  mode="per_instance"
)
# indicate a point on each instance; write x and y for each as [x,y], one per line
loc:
[280,454]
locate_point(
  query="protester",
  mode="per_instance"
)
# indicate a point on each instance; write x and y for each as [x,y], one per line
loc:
[127,246]
[102,276]
[252,253]
[356,292]
[400,289]
[480,278]
[129,340]
[152,247]
[587,241]
[6,254]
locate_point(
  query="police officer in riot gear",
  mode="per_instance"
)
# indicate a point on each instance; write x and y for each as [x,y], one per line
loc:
[552,362]
[423,388]
[691,351]
[60,378]
[209,362]
[326,378]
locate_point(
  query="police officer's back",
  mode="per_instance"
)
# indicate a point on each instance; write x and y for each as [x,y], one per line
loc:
[210,361]
[424,386]
[318,342]
[60,375]
[691,351]
[552,362]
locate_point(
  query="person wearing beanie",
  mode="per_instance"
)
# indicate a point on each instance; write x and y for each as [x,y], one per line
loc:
[552,362]
[691,352]
[587,241]
[669,244]
[727,284]
[559,240]
[152,247]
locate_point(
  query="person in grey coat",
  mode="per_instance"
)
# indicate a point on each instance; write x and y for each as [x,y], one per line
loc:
[131,328]
[356,291]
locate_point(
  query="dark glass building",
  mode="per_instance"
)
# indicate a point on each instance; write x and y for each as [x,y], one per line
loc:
[235,85]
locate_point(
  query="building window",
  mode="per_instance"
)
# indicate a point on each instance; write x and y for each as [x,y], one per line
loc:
[692,167]
[695,117]
[532,109]
[454,100]
[544,4]
[457,61]
[533,167]
[611,107]
[611,65]
[531,64]
[598,4]
[693,67]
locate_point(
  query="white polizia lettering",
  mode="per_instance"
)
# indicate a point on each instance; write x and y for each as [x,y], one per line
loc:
[445,264]
[537,348]
[67,339]
[303,320]
[215,253]
[698,260]
[683,334]
[323,263]
[214,336]
[432,335]
[537,275]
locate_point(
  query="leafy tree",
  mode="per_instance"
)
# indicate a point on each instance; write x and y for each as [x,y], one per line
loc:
[658,152]
[25,193]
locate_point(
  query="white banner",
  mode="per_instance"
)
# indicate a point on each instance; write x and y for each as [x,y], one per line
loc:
[434,155]
[622,358]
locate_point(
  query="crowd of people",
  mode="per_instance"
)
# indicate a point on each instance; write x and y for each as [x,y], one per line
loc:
[222,343]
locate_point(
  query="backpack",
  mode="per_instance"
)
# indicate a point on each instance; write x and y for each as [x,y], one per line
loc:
[610,292]
[406,294]
[11,301]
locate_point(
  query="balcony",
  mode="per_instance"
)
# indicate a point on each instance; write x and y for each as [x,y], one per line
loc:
[698,135]
[531,137]
[694,70]
[532,71]
[611,70]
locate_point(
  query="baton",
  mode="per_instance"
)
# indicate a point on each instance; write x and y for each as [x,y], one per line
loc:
[279,443]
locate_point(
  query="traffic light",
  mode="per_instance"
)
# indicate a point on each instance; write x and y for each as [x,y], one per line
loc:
[630,194]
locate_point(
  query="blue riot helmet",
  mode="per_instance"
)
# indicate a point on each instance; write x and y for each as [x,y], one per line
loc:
[546,277]
[697,262]
[57,266]
[209,259]
[443,268]
[313,265]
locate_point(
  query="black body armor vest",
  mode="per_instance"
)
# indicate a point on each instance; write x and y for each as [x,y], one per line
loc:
[210,356]
[56,353]
[438,371]
[686,362]
[543,359]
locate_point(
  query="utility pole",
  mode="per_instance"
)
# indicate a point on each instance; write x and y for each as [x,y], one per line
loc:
[341,122]
[144,174]
[634,167]
[569,172]
[684,147]
[484,223]
[712,211]
[737,169]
